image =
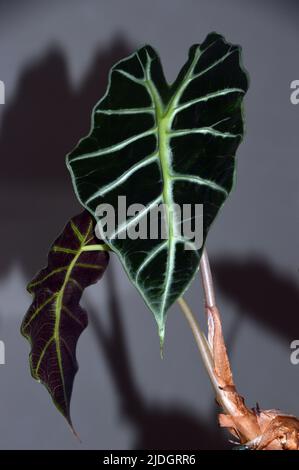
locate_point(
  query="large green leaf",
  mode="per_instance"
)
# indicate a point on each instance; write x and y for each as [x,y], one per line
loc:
[55,318]
[158,143]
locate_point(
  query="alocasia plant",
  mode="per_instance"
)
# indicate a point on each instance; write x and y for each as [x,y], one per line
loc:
[151,143]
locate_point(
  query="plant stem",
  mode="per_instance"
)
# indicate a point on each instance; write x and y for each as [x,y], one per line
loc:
[205,345]
[201,341]
[206,354]
[255,428]
[207,280]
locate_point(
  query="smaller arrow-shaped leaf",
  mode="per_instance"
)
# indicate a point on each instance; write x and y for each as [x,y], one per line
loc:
[55,318]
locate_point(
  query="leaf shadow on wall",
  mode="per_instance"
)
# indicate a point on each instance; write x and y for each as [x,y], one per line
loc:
[39,126]
[155,426]
[268,296]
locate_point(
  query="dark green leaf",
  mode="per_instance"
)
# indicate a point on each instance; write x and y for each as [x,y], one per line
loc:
[158,143]
[55,318]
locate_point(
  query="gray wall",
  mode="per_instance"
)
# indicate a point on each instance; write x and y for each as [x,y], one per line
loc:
[54,59]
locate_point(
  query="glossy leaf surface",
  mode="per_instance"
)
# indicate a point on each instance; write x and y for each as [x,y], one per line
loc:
[157,143]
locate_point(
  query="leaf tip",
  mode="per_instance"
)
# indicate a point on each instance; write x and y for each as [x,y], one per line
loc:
[74,432]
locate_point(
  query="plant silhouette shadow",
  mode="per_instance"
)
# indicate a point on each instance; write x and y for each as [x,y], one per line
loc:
[261,292]
[41,123]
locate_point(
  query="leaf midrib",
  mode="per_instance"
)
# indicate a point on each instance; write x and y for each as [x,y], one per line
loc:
[164,115]
[59,301]
[58,310]
[162,121]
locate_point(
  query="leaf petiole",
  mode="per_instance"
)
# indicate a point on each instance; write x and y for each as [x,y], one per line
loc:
[204,349]
[206,345]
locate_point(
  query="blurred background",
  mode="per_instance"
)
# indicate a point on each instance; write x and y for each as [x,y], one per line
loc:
[54,61]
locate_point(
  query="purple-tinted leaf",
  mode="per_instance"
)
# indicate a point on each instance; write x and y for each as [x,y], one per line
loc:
[55,318]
